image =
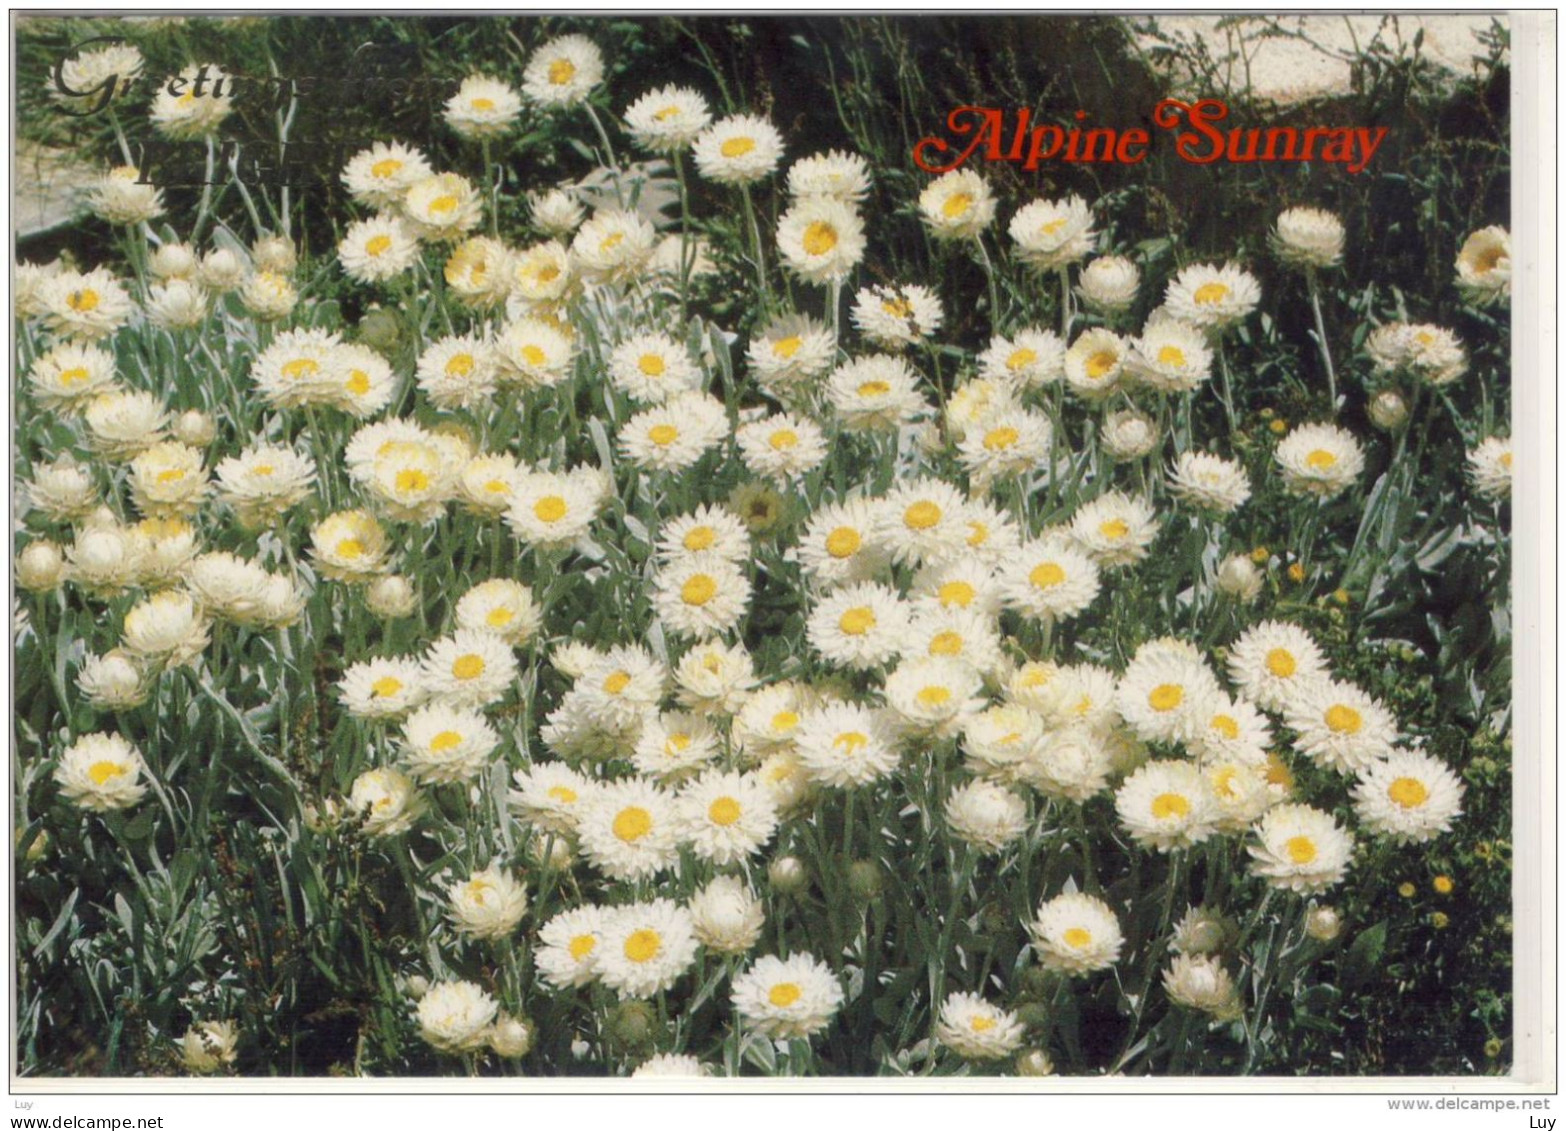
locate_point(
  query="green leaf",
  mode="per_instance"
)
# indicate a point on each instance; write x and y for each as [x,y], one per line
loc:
[1364,954]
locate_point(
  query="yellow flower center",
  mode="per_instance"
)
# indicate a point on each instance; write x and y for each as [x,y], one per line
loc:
[999,439]
[563,794]
[386,687]
[581,946]
[101,772]
[698,590]
[1020,358]
[897,307]
[958,593]
[632,823]
[1320,459]
[724,811]
[874,389]
[843,542]
[350,548]
[981,1024]
[850,743]
[1114,529]
[934,696]
[1410,793]
[1052,226]
[1046,575]
[611,241]
[384,168]
[460,365]
[956,204]
[789,346]
[1167,805]
[1343,719]
[1101,363]
[300,368]
[551,508]
[73,376]
[1278,773]
[617,682]
[1281,663]
[857,621]
[921,516]
[561,71]
[784,994]
[784,721]
[663,434]
[651,364]
[469,666]
[483,104]
[666,113]
[1506,460]
[677,744]
[378,246]
[700,538]
[445,740]
[783,439]
[819,238]
[533,355]
[358,382]
[1301,849]
[1226,726]
[946,644]
[412,480]
[171,475]
[737,146]
[643,945]
[1166,697]
[82,301]
[1223,782]
[1171,355]
[495,487]
[499,617]
[1210,293]
[443,204]
[1077,937]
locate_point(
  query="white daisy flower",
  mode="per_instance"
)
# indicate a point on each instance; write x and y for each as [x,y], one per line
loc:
[790,998]
[923,520]
[1209,481]
[1166,805]
[738,150]
[1300,849]
[999,741]
[821,240]
[113,681]
[845,745]
[1007,443]
[954,634]
[1115,529]
[668,1065]
[957,205]
[701,595]
[1072,763]
[1094,364]
[710,530]
[726,817]
[1319,459]
[349,546]
[101,772]
[770,717]
[629,830]
[570,946]
[268,296]
[168,479]
[895,317]
[1239,790]
[382,688]
[934,694]
[1208,296]
[1339,727]
[1408,796]
[455,1017]
[646,947]
[651,368]
[483,107]
[1028,359]
[548,796]
[674,744]
[442,207]
[1234,731]
[973,1028]
[1200,982]
[502,607]
[1165,695]
[668,119]
[839,545]
[715,678]
[387,802]
[966,584]
[1076,934]
[442,744]
[674,435]
[875,393]
[1490,467]
[563,72]
[381,176]
[180,305]
[1050,579]
[540,277]
[88,305]
[550,511]
[469,669]
[298,368]
[70,376]
[1051,234]
[195,104]
[479,273]
[1128,435]
[1171,356]
[791,351]
[1273,662]
[104,559]
[488,904]
[781,447]
[1484,265]
[859,626]
[840,176]
[612,246]
[532,353]
[227,586]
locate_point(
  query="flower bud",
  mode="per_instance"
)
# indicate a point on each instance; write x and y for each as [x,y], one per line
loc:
[633,1024]
[274,253]
[1034,1062]
[40,566]
[1388,410]
[787,875]
[511,1037]
[864,879]
[195,428]
[380,330]
[1239,578]
[390,596]
[1323,923]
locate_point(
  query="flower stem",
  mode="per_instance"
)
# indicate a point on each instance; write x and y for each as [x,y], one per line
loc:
[1321,337]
